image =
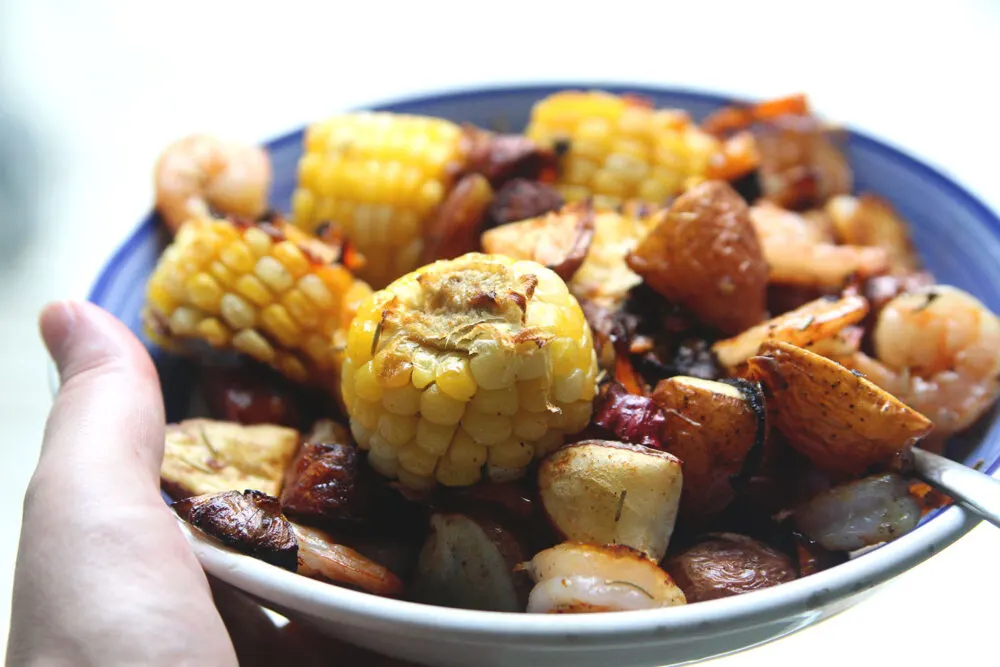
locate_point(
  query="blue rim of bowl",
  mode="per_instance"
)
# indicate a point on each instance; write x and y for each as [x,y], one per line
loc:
[802,596]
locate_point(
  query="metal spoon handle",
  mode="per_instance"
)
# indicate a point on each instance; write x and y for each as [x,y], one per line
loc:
[979,493]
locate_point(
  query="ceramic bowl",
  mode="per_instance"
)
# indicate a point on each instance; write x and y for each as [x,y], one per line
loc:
[956,234]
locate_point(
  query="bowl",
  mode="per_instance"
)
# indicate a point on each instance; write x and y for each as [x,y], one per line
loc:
[958,237]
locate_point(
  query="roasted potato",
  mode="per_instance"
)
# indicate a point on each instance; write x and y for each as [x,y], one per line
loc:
[468,562]
[705,256]
[805,326]
[858,514]
[605,492]
[578,578]
[869,220]
[721,565]
[711,427]
[559,240]
[203,456]
[250,522]
[839,420]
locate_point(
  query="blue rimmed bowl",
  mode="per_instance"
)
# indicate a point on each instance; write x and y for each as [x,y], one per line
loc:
[959,239]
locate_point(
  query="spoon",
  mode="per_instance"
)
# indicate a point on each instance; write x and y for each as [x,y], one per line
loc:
[978,493]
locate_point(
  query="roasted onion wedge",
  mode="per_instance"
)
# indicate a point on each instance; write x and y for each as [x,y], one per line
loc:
[725,564]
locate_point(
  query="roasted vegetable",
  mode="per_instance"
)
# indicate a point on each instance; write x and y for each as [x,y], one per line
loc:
[841,421]
[475,362]
[605,492]
[619,148]
[250,395]
[502,157]
[520,199]
[202,456]
[705,256]
[454,226]
[629,417]
[711,427]
[323,482]
[469,563]
[721,565]
[805,327]
[269,291]
[860,513]
[249,521]
[574,578]
[559,240]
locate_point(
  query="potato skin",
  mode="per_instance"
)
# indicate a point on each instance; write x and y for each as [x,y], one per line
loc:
[842,422]
[705,255]
[605,492]
[721,565]
[711,428]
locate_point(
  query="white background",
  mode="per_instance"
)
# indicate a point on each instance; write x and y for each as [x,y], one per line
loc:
[103,85]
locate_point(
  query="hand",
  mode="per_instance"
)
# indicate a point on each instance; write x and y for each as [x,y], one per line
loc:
[104,575]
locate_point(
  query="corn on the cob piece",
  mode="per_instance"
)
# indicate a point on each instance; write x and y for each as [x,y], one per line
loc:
[269,291]
[378,176]
[620,147]
[480,363]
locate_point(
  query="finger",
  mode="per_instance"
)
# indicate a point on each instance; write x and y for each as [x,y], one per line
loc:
[108,415]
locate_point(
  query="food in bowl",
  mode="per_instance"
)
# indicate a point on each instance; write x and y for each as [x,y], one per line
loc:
[621,361]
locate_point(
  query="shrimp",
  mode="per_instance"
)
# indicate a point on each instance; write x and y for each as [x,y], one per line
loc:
[200,173]
[578,578]
[938,350]
[321,558]
[799,249]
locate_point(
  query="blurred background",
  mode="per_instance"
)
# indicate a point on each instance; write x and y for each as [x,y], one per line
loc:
[90,92]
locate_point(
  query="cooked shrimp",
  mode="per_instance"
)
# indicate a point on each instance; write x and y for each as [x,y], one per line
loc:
[200,173]
[871,221]
[321,558]
[579,578]
[799,250]
[938,350]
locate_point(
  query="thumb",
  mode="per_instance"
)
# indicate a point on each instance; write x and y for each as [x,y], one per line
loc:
[107,421]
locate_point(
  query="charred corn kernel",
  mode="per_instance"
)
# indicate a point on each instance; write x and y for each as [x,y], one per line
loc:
[490,348]
[378,176]
[272,295]
[618,145]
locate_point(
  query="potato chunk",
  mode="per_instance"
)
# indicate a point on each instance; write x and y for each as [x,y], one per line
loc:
[203,456]
[559,240]
[839,420]
[605,492]
[705,255]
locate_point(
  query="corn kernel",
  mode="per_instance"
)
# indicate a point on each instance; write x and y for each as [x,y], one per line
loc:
[453,474]
[511,454]
[254,290]
[292,259]
[424,368]
[416,482]
[530,425]
[238,257]
[301,308]
[397,430]
[532,395]
[366,384]
[439,408]
[384,463]
[214,331]
[486,429]
[366,413]
[548,443]
[184,321]
[316,290]
[237,312]
[496,401]
[415,460]
[465,451]
[434,438]
[273,274]
[492,367]
[569,388]
[403,400]
[258,241]
[392,370]
[531,366]
[276,321]
[454,378]
[360,434]
[291,367]
[252,343]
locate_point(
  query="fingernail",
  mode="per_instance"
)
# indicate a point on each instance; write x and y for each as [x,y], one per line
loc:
[56,324]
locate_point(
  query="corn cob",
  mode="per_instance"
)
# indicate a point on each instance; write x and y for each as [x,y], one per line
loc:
[479,363]
[378,177]
[619,147]
[269,291]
